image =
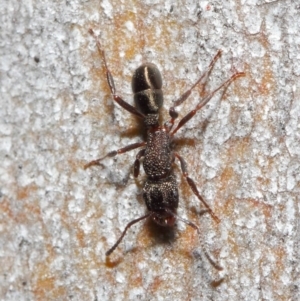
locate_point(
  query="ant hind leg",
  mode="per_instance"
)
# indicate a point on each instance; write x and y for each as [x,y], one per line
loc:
[110,80]
[186,94]
[205,100]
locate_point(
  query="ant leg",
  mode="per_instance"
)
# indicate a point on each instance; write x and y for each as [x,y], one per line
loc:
[125,230]
[191,224]
[125,105]
[136,168]
[186,94]
[194,187]
[115,152]
[205,100]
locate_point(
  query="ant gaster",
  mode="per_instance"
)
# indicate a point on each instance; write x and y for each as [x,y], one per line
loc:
[160,191]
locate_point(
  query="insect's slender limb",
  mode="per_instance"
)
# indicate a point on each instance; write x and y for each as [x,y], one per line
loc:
[116,152]
[186,94]
[125,230]
[136,167]
[110,80]
[205,100]
[191,224]
[194,187]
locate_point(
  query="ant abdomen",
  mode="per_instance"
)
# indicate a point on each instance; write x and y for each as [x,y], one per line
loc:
[146,85]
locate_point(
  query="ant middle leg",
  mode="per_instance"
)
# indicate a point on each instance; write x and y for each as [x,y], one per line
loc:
[110,80]
[115,152]
[186,94]
[194,187]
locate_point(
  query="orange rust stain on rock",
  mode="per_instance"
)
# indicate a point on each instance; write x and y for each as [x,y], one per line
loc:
[226,177]
[267,211]
[263,182]
[28,210]
[264,87]
[268,82]
[80,237]
[98,75]
[31,210]
[45,287]
[5,208]
[123,40]
[184,245]
[238,150]
[25,192]
[146,236]
[280,256]
[155,284]
[164,42]
[265,208]
[136,280]
[235,248]
[188,239]
[143,35]
[241,148]
[228,206]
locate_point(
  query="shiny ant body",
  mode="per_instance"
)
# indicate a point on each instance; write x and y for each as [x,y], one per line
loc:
[160,191]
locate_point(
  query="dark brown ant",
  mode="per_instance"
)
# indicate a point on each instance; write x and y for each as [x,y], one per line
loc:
[160,190]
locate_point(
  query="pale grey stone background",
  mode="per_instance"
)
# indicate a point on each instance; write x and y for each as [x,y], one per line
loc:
[57,220]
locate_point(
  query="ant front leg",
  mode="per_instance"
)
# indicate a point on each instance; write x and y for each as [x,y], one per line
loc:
[110,80]
[191,224]
[115,152]
[125,230]
[186,94]
[194,187]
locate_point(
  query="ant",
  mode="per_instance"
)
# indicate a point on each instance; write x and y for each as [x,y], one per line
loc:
[160,191]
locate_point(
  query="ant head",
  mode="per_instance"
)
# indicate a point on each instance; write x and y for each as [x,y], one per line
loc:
[146,86]
[164,219]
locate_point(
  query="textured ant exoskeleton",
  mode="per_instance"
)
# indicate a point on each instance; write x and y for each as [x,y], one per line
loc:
[160,190]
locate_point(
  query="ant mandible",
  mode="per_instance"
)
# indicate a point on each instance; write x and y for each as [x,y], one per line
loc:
[160,191]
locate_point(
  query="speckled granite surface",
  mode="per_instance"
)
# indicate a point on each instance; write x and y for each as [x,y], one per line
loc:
[57,220]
